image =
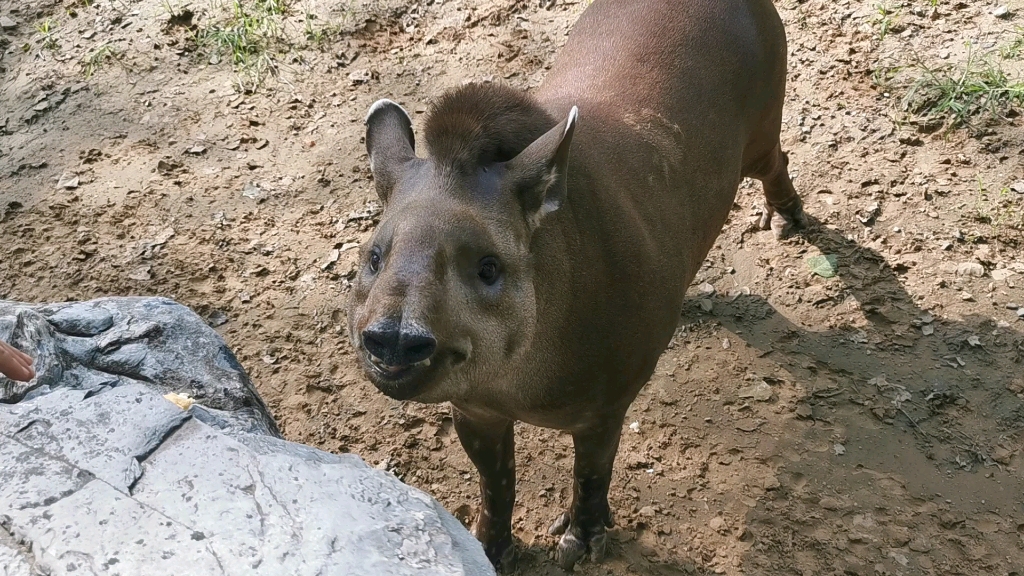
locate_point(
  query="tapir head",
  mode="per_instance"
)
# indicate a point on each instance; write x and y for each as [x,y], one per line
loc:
[444,294]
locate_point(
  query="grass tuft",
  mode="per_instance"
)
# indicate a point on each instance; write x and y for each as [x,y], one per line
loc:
[47,30]
[97,58]
[247,38]
[961,94]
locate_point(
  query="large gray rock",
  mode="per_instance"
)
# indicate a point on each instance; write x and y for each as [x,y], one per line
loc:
[100,474]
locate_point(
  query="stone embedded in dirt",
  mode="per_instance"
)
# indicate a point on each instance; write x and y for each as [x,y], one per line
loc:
[839,449]
[196,150]
[163,236]
[253,191]
[217,318]
[717,524]
[1001,12]
[771,483]
[829,503]
[168,167]
[7,23]
[974,341]
[1020,313]
[68,181]
[146,446]
[735,293]
[759,391]
[648,511]
[804,411]
[922,320]
[1002,274]
[868,214]
[970,269]
[747,425]
[920,544]
[928,329]
[706,290]
[360,76]
[967,297]
[1002,455]
[261,144]
[706,305]
[142,273]
[1018,187]
[331,259]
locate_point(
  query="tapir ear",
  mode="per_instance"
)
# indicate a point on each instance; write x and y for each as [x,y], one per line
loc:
[390,143]
[538,174]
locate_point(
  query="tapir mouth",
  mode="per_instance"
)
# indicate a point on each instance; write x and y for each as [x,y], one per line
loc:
[398,382]
[411,380]
[386,371]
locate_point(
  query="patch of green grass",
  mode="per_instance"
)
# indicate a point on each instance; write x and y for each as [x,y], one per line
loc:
[886,18]
[97,58]
[1015,47]
[248,38]
[956,94]
[1001,209]
[47,30]
[318,33]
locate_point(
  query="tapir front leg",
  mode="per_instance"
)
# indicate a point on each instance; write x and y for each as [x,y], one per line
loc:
[584,526]
[491,446]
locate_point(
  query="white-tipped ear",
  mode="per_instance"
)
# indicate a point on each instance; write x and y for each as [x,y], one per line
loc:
[390,143]
[571,120]
[538,174]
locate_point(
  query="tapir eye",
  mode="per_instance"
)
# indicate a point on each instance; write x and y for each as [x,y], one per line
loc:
[488,270]
[375,261]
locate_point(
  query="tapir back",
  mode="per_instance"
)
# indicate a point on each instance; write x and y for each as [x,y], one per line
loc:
[677,100]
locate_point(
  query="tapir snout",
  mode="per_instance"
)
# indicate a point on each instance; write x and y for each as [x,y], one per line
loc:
[396,346]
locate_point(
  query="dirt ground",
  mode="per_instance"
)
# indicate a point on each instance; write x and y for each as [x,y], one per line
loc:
[870,423]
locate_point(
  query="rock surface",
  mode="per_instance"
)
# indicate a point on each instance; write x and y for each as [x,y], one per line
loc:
[100,474]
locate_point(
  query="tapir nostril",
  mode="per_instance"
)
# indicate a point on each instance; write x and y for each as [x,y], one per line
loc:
[383,343]
[395,347]
[417,347]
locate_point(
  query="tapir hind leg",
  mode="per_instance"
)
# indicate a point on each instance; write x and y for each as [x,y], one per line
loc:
[783,208]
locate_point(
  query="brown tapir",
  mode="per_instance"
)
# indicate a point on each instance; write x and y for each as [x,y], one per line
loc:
[533,266]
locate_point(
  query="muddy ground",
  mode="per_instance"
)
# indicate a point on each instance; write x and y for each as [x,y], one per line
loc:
[867,423]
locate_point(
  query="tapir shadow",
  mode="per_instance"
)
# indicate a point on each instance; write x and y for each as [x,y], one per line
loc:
[954,371]
[872,287]
[534,560]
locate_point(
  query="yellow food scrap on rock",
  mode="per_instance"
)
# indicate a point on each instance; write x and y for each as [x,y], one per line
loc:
[182,400]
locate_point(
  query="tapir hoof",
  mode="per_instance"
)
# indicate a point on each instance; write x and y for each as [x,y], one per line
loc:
[783,224]
[578,542]
[508,561]
[501,552]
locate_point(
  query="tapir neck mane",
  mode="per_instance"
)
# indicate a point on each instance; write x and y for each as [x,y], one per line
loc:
[479,124]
